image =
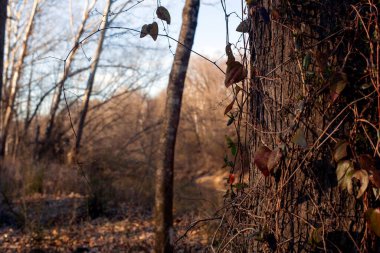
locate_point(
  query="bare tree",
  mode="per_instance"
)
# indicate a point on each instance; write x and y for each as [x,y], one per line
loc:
[58,94]
[14,82]
[164,171]
[90,81]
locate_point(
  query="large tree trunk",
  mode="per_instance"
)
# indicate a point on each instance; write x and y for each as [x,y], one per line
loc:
[164,173]
[299,50]
[3,21]
[90,84]
[14,82]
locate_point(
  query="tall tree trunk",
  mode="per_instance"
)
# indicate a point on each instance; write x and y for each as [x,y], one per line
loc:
[14,82]
[164,172]
[61,83]
[300,50]
[90,83]
[3,21]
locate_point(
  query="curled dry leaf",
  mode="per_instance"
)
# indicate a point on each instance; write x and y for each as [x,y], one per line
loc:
[163,14]
[299,138]
[144,31]
[362,176]
[235,73]
[373,219]
[340,150]
[260,159]
[344,172]
[154,31]
[151,29]
[243,27]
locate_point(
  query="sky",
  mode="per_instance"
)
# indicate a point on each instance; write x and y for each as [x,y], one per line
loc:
[210,37]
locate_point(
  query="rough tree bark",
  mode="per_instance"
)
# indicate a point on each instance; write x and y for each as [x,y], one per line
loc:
[164,173]
[90,83]
[14,82]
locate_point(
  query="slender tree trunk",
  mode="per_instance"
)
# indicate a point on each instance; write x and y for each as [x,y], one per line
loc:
[3,21]
[90,82]
[164,172]
[14,82]
[58,94]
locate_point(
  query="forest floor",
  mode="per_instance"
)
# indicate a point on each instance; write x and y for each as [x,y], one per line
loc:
[58,229]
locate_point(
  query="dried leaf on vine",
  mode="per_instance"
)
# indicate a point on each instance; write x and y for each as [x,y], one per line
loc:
[299,139]
[362,176]
[340,151]
[229,107]
[154,30]
[163,14]
[373,219]
[339,82]
[151,29]
[344,172]
[243,27]
[144,31]
[235,73]
[260,159]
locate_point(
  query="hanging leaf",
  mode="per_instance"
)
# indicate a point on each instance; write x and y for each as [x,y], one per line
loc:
[154,30]
[260,159]
[340,151]
[339,82]
[344,172]
[235,73]
[163,14]
[274,159]
[243,27]
[144,31]
[230,120]
[264,14]
[373,220]
[299,139]
[151,29]
[362,176]
[229,107]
